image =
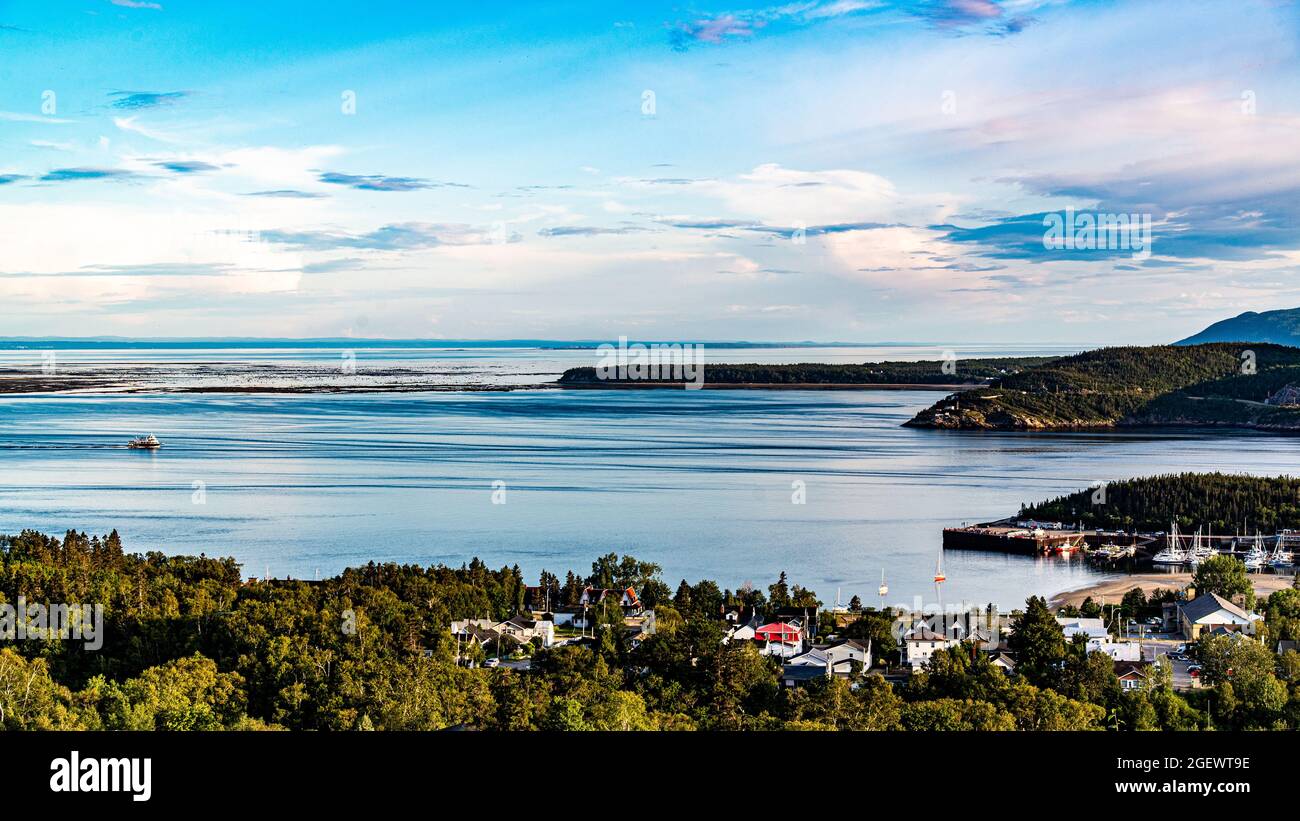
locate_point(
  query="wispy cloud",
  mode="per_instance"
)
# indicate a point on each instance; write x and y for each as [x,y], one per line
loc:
[379,182]
[719,28]
[287,193]
[405,236]
[588,231]
[77,174]
[134,100]
[6,179]
[136,4]
[187,166]
[959,14]
[19,117]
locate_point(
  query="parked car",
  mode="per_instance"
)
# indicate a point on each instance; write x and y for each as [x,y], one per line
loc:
[492,663]
[1155,621]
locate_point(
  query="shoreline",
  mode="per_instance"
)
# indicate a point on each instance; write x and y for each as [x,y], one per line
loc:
[1114,589]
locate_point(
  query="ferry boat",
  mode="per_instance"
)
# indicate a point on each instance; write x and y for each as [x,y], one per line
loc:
[149,442]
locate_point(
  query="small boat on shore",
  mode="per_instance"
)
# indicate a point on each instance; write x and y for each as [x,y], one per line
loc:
[149,442]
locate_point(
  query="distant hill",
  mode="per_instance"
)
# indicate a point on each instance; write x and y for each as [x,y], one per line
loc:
[1238,385]
[1279,327]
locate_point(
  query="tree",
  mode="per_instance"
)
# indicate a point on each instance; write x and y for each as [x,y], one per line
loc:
[1226,576]
[855,604]
[778,595]
[1039,643]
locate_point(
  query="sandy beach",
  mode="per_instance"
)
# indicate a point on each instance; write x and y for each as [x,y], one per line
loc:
[1114,589]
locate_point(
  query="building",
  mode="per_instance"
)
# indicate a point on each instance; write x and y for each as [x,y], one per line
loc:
[1099,640]
[524,629]
[1210,612]
[842,653]
[920,643]
[798,675]
[837,657]
[1003,661]
[630,601]
[1132,675]
[519,629]
[779,639]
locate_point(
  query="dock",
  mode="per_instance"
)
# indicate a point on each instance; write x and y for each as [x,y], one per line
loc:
[1033,538]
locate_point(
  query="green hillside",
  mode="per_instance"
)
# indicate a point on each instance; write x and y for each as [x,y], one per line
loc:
[1279,327]
[1166,384]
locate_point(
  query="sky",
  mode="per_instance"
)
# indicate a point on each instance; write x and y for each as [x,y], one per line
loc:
[830,170]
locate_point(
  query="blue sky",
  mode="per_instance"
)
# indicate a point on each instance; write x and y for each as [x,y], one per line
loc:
[828,169]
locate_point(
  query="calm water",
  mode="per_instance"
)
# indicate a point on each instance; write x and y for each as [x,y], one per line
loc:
[698,481]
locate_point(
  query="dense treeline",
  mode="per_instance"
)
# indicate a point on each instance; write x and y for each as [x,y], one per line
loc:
[924,372]
[1198,384]
[1226,503]
[190,646]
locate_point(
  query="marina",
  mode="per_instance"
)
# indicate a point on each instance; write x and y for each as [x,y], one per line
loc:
[1170,549]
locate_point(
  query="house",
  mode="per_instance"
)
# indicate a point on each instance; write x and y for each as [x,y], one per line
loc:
[838,657]
[1094,629]
[1132,675]
[1210,611]
[640,628]
[779,639]
[920,643]
[1003,661]
[630,601]
[1099,640]
[744,632]
[815,657]
[525,629]
[798,675]
[843,652]
[519,629]
[1288,646]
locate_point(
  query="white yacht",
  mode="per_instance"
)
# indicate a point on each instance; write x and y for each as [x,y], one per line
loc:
[1173,552]
[149,442]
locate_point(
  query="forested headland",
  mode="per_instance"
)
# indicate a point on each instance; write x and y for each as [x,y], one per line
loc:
[1226,503]
[928,373]
[1212,384]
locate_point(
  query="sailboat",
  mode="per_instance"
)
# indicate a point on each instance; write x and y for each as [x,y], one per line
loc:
[1173,553]
[938,572]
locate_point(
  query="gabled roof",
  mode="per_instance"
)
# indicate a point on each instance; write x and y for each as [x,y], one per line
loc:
[1136,669]
[830,645]
[1003,659]
[778,631]
[922,632]
[814,657]
[1287,644]
[1209,604]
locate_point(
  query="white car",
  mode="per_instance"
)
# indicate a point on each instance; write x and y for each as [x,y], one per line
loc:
[492,663]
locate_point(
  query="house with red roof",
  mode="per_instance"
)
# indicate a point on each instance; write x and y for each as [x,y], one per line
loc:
[779,639]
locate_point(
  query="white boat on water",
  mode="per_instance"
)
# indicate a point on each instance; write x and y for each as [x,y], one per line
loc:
[149,442]
[1173,552]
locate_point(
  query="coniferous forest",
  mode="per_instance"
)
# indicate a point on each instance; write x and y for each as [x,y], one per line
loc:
[189,645]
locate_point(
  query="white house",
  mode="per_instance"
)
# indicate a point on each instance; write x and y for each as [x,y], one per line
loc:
[1099,640]
[920,643]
